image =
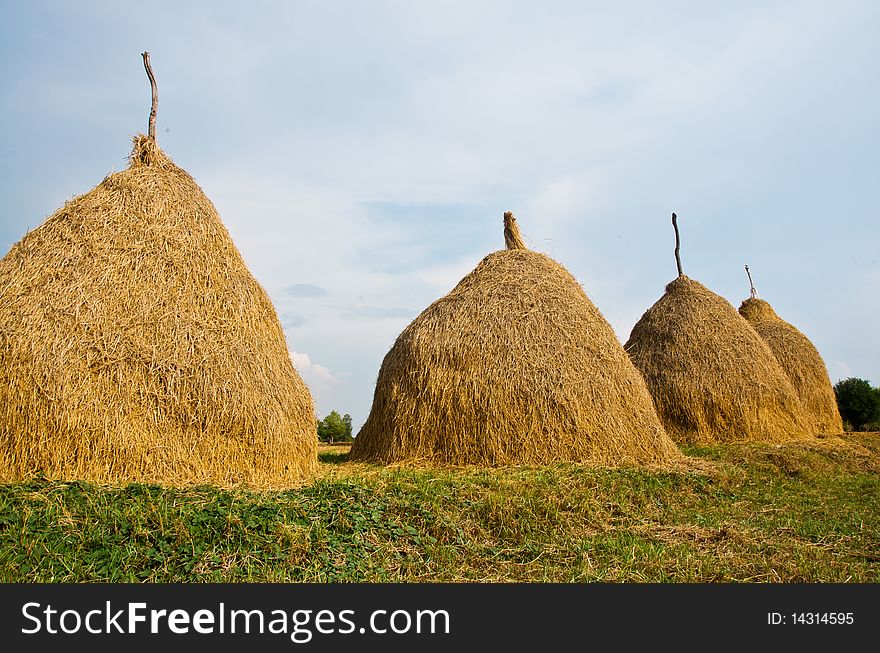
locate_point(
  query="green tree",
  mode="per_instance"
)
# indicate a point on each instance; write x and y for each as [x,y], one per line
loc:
[334,428]
[858,402]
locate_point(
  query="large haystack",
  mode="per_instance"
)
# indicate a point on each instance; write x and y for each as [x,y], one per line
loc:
[514,366]
[801,362]
[136,346]
[712,377]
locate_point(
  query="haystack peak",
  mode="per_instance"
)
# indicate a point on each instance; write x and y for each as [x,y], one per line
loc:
[712,377]
[801,362]
[137,346]
[515,365]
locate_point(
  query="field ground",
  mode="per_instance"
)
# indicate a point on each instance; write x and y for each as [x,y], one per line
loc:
[807,512]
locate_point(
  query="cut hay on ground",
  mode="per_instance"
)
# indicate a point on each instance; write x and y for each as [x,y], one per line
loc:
[136,346]
[801,362]
[514,366]
[712,377]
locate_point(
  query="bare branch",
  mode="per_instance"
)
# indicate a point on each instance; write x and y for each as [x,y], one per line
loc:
[753,292]
[151,128]
[677,245]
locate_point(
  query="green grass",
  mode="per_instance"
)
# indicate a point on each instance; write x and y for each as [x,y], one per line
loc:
[808,513]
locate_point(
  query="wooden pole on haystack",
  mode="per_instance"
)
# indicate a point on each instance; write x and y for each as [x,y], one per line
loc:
[151,127]
[752,290]
[677,244]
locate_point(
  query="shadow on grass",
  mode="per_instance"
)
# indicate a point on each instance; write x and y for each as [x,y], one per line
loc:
[332,458]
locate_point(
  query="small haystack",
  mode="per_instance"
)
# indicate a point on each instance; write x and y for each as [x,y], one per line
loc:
[135,345]
[801,362]
[712,377]
[514,366]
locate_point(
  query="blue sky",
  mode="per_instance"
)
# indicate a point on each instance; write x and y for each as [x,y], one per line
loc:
[362,153]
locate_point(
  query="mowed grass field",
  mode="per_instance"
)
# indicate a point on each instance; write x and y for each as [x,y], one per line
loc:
[800,512]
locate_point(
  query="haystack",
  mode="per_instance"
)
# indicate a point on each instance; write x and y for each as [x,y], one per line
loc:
[514,366]
[135,345]
[712,377]
[801,362]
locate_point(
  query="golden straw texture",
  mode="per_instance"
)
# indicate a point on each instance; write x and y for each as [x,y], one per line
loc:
[801,362]
[135,345]
[514,366]
[512,237]
[712,377]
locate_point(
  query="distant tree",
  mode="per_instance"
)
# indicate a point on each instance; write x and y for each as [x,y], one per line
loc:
[334,428]
[858,402]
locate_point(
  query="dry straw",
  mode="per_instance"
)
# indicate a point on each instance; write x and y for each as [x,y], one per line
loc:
[514,366]
[712,377]
[801,362]
[135,345]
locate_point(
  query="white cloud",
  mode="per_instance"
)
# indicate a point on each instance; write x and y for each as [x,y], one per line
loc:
[576,196]
[319,379]
[309,370]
